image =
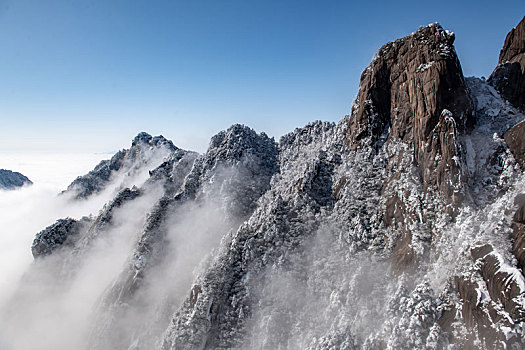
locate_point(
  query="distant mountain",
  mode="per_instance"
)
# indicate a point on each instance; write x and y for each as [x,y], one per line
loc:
[11,179]
[145,152]
[402,226]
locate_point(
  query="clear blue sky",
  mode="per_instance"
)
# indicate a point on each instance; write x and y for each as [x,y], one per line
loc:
[89,75]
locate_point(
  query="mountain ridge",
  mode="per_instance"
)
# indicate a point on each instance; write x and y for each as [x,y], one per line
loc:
[400,226]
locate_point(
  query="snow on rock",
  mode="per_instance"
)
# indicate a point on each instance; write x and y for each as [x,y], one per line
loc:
[127,167]
[55,236]
[11,179]
[394,228]
[225,185]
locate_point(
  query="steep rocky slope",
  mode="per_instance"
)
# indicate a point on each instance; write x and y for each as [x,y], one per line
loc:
[11,179]
[509,75]
[414,91]
[399,227]
[389,197]
[223,185]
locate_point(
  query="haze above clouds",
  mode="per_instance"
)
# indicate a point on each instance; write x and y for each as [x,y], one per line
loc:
[28,210]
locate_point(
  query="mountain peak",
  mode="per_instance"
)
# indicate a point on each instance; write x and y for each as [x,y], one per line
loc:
[409,212]
[509,76]
[146,151]
[142,137]
[514,44]
[403,94]
[237,139]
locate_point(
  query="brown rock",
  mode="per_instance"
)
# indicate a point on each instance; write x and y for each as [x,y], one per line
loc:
[394,211]
[519,216]
[509,76]
[514,44]
[518,244]
[440,159]
[515,139]
[485,314]
[518,235]
[403,257]
[502,287]
[477,317]
[414,91]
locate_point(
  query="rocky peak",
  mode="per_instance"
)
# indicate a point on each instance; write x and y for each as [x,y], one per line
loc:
[414,91]
[146,152]
[509,76]
[408,84]
[142,137]
[231,176]
[145,139]
[514,46]
[252,155]
[236,140]
[242,161]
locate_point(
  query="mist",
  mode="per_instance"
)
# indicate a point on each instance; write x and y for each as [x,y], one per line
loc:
[52,298]
[126,284]
[321,291]
[62,299]
[26,211]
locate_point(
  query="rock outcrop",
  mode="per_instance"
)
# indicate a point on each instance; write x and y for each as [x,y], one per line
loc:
[509,76]
[492,289]
[11,179]
[515,139]
[491,294]
[235,172]
[518,235]
[414,91]
[57,235]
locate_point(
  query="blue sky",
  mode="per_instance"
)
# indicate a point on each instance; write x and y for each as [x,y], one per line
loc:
[86,76]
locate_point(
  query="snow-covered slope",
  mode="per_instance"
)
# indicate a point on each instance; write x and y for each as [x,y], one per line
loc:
[402,226]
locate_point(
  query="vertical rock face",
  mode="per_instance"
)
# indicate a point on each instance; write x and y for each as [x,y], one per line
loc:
[518,225]
[509,76]
[414,91]
[514,46]
[515,139]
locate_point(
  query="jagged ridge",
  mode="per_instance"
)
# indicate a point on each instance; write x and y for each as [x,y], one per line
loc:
[401,226]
